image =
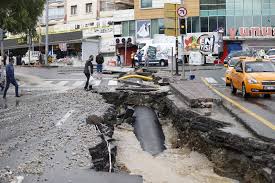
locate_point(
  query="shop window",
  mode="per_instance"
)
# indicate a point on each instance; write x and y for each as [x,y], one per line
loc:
[213,24]
[196,24]
[154,27]
[146,3]
[266,21]
[247,21]
[204,24]
[189,25]
[230,21]
[73,10]
[125,28]
[272,21]
[222,22]
[239,22]
[132,28]
[161,26]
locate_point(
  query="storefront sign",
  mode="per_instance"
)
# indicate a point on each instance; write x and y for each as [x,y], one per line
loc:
[143,30]
[203,42]
[252,32]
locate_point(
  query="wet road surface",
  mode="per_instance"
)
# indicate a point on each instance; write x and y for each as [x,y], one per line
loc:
[148,130]
[260,106]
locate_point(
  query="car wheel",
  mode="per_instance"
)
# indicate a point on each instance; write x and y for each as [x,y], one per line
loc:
[233,89]
[267,95]
[228,83]
[244,93]
[162,63]
[23,63]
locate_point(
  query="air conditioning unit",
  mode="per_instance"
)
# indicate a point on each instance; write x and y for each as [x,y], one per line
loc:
[123,40]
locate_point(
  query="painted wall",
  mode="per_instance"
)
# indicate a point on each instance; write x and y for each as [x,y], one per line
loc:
[81,10]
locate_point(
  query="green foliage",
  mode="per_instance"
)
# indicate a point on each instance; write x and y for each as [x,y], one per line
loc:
[21,16]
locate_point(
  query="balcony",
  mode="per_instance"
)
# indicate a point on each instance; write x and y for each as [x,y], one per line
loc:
[125,2]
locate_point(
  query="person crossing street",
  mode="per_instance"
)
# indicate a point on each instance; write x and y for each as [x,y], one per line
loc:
[88,71]
[10,79]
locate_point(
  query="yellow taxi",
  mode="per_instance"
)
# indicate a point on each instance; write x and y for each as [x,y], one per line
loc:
[230,66]
[253,76]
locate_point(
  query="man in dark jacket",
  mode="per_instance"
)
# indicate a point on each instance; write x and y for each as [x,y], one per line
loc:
[99,61]
[10,78]
[88,71]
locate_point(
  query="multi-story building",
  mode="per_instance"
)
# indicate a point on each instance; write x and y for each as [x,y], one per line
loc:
[56,12]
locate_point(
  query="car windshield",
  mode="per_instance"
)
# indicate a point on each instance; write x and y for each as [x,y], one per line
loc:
[233,62]
[259,67]
[248,53]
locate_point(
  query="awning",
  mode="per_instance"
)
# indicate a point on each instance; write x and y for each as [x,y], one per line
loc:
[54,39]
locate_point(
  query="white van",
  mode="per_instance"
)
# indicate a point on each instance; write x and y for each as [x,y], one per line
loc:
[34,58]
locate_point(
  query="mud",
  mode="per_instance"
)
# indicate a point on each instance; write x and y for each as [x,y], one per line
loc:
[239,158]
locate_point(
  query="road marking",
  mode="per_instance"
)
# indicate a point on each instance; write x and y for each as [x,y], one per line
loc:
[211,80]
[62,79]
[78,83]
[261,119]
[112,83]
[47,82]
[62,83]
[223,78]
[62,120]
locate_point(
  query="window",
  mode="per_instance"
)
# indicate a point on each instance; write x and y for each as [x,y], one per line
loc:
[56,13]
[146,4]
[212,24]
[196,24]
[189,25]
[73,10]
[89,7]
[204,24]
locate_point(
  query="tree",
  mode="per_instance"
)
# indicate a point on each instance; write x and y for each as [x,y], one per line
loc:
[21,16]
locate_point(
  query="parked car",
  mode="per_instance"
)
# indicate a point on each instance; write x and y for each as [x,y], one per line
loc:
[34,58]
[247,53]
[270,55]
[254,76]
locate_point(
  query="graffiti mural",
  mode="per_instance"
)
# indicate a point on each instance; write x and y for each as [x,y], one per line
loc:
[203,42]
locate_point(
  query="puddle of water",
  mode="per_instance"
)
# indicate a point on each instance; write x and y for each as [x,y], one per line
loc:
[171,166]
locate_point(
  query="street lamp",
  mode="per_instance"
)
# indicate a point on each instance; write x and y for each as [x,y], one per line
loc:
[47,33]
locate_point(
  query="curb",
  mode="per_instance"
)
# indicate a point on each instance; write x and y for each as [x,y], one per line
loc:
[234,113]
[226,104]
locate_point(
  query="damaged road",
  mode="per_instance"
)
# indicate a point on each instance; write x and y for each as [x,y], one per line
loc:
[45,137]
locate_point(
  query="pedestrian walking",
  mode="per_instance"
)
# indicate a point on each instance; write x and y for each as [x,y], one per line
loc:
[133,59]
[2,79]
[99,61]
[139,55]
[88,71]
[146,59]
[10,79]
[118,59]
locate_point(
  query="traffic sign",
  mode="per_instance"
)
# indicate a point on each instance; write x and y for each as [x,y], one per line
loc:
[182,12]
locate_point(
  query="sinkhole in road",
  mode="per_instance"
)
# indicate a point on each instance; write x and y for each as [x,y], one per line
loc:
[169,160]
[173,165]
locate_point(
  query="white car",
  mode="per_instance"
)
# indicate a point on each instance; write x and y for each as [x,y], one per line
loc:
[270,55]
[34,58]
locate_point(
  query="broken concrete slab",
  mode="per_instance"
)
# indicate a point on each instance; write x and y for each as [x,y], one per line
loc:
[87,176]
[195,94]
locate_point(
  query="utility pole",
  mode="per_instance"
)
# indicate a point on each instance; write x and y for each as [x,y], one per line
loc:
[177,44]
[47,33]
[183,59]
[2,45]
